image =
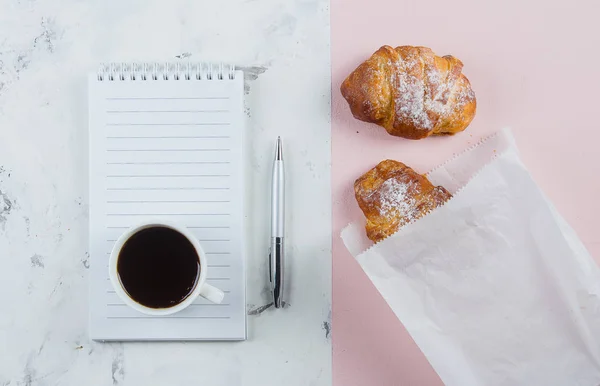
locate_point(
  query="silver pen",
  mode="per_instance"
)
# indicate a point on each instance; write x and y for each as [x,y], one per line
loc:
[277,252]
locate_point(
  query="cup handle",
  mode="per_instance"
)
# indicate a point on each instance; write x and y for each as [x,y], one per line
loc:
[212,294]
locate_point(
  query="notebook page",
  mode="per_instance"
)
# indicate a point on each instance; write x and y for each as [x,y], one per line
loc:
[168,149]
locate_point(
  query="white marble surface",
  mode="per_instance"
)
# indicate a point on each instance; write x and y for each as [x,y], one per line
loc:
[46,49]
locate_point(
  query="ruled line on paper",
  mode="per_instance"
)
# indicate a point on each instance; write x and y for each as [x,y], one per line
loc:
[163,98]
[114,292]
[171,124]
[208,278]
[173,137]
[189,227]
[165,201]
[209,304]
[210,265]
[165,175]
[203,149]
[204,240]
[208,227]
[170,163]
[168,214]
[193,304]
[169,188]
[163,111]
[208,253]
[167,317]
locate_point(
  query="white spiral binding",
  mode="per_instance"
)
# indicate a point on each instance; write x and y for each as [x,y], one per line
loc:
[165,71]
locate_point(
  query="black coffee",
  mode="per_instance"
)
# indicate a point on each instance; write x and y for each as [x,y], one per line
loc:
[158,267]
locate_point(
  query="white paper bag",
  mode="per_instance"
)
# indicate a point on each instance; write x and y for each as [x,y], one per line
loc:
[494,286]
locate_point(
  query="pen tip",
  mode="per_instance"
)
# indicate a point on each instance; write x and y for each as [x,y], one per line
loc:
[279,150]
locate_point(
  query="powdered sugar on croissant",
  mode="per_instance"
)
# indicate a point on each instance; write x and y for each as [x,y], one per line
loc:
[411,92]
[392,195]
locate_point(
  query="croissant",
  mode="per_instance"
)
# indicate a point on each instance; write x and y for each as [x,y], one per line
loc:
[392,195]
[411,92]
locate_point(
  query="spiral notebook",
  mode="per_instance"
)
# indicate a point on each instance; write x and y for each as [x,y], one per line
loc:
[166,141]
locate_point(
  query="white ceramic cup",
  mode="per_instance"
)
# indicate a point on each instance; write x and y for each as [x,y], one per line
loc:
[202,288]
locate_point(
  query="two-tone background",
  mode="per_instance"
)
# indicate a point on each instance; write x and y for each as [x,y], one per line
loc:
[532,64]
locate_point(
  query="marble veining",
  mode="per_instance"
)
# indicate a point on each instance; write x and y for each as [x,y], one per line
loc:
[118,366]
[257,310]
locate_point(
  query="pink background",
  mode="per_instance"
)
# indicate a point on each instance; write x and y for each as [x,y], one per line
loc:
[534,66]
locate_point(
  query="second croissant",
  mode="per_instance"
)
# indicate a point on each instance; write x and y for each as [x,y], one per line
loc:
[411,92]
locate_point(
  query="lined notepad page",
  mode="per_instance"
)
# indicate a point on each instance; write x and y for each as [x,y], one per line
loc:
[168,149]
